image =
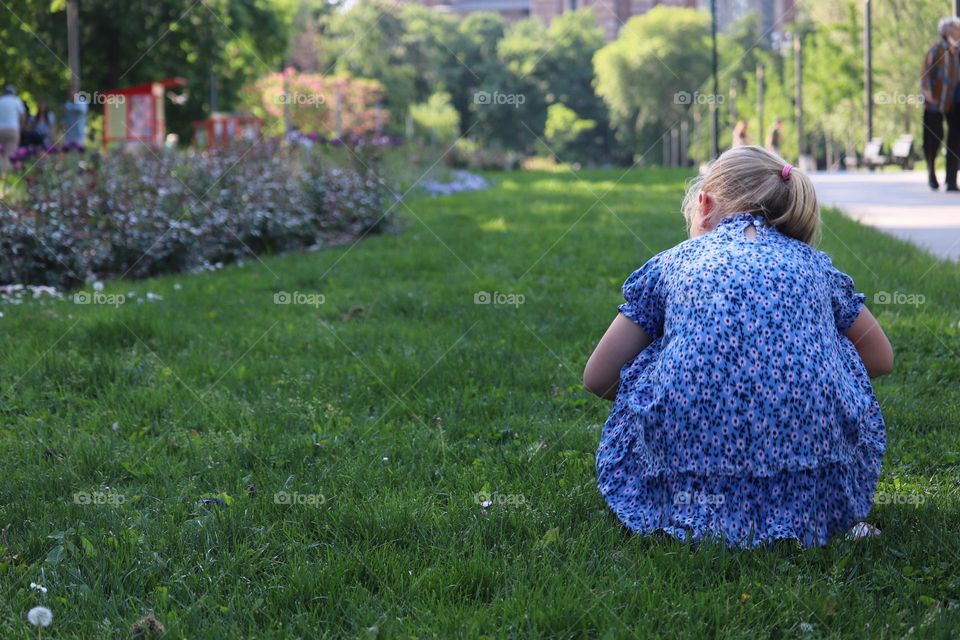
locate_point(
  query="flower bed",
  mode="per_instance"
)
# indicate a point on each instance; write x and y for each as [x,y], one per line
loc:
[137,215]
[22,156]
[459,181]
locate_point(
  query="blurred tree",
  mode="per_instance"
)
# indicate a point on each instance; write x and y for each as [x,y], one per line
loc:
[548,66]
[436,120]
[565,131]
[429,43]
[650,75]
[479,34]
[566,76]
[511,109]
[367,42]
[833,100]
[904,31]
[125,42]
[306,49]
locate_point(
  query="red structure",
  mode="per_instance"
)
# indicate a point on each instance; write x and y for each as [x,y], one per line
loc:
[222,128]
[136,114]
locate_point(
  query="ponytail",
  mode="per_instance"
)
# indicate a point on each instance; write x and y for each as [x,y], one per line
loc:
[750,179]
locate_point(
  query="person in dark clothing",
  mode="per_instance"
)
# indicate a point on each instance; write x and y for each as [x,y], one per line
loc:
[940,82]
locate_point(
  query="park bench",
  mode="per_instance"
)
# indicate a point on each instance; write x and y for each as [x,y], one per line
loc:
[873,154]
[901,154]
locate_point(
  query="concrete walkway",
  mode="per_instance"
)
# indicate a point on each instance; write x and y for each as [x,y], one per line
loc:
[899,203]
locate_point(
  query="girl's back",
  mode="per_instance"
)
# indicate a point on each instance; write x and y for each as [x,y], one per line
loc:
[740,367]
[752,373]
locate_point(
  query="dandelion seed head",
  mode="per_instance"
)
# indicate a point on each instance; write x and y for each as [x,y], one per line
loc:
[40,616]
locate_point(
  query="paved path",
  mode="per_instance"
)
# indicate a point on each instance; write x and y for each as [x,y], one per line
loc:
[899,203]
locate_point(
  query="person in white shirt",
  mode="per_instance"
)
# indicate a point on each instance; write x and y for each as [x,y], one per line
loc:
[12,118]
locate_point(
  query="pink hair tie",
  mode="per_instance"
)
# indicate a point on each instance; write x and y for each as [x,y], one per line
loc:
[785,174]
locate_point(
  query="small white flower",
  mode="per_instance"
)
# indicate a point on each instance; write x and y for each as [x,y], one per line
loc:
[40,616]
[38,587]
[177,286]
[862,530]
[153,296]
[98,286]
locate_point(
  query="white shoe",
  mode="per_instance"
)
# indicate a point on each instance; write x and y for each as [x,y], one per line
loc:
[863,530]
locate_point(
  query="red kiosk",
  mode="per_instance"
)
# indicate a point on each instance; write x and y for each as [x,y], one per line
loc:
[222,128]
[135,114]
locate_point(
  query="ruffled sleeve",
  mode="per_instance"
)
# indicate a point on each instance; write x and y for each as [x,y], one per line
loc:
[644,298]
[846,302]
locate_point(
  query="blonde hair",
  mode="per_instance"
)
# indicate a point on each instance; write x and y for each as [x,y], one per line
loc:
[749,179]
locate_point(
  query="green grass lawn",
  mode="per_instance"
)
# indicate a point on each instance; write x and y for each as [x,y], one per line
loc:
[348,441]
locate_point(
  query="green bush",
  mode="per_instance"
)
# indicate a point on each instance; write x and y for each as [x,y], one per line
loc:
[467,154]
[436,120]
[567,133]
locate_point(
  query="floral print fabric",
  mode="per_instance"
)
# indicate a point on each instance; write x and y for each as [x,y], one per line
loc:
[750,417]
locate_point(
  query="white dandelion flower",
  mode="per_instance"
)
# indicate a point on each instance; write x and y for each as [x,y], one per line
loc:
[98,286]
[40,616]
[38,587]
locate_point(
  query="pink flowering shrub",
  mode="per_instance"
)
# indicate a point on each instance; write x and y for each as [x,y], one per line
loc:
[313,101]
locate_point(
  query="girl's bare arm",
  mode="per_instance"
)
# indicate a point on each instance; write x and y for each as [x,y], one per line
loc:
[872,344]
[621,343]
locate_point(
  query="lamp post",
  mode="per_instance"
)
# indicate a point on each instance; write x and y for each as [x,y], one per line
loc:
[760,98]
[286,104]
[798,103]
[714,113]
[213,91]
[868,65]
[73,46]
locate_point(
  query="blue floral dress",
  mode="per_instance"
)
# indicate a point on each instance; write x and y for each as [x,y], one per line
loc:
[750,417]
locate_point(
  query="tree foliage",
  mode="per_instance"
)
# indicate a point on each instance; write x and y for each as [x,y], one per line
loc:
[650,75]
[126,42]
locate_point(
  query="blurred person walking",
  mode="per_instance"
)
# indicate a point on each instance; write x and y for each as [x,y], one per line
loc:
[42,125]
[740,135]
[940,83]
[775,137]
[75,121]
[12,119]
